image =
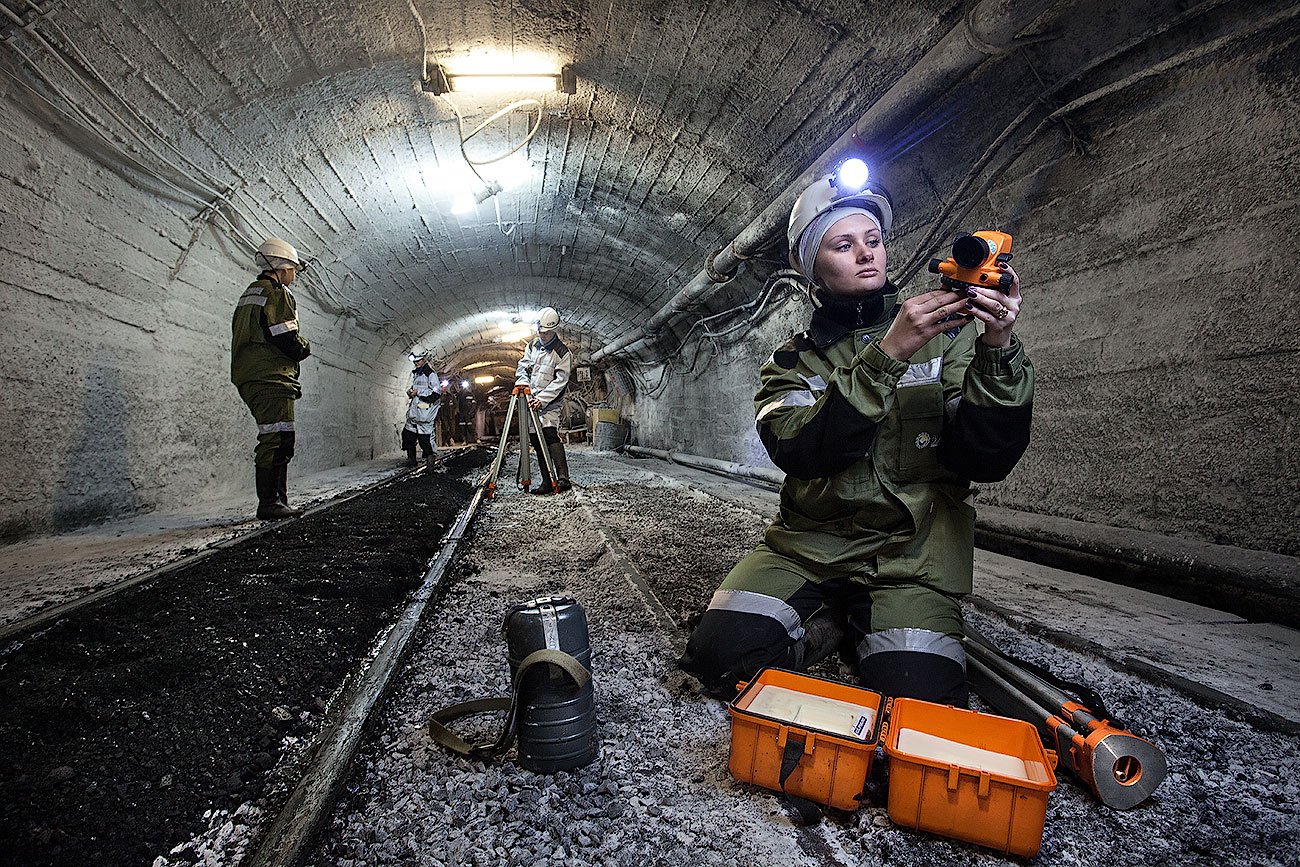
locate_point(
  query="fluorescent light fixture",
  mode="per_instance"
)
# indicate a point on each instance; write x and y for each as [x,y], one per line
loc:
[443,80]
[476,365]
[464,204]
[484,380]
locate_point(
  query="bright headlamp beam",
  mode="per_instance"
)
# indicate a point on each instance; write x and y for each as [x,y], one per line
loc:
[852,175]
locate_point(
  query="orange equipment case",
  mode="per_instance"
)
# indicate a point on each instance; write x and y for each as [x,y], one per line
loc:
[832,770]
[993,809]
[998,810]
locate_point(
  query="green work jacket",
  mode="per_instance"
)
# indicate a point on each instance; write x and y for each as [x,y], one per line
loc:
[880,454]
[265,346]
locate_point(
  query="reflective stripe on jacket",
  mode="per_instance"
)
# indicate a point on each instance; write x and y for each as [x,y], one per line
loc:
[880,453]
[265,346]
[545,370]
[422,411]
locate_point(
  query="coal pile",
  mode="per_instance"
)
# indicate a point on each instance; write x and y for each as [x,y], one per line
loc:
[126,723]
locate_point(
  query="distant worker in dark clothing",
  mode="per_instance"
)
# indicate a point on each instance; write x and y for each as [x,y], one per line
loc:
[468,414]
[265,350]
[882,414]
[545,369]
[449,415]
[425,394]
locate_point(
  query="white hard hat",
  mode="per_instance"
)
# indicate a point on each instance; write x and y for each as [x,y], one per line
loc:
[276,253]
[548,319]
[843,188]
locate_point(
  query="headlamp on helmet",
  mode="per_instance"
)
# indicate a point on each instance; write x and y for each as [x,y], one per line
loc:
[846,187]
[851,177]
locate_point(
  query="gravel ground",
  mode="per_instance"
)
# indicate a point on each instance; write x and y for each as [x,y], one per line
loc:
[659,792]
[131,726]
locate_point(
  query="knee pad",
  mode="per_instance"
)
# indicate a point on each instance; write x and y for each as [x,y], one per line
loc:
[915,663]
[730,646]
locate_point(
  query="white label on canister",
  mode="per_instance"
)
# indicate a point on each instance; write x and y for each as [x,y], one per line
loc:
[550,627]
[862,726]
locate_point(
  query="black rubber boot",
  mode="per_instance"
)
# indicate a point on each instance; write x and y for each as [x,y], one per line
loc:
[545,487]
[282,487]
[823,634]
[561,461]
[269,507]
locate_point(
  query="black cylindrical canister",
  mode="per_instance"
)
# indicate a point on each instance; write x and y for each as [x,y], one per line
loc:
[557,717]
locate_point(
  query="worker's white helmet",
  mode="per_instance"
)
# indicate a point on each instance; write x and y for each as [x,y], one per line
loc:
[548,319]
[275,253]
[848,186]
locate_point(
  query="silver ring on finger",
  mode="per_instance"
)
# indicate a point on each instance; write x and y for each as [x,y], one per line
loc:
[1001,313]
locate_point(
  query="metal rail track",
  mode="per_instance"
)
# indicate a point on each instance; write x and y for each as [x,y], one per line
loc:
[289,837]
[54,613]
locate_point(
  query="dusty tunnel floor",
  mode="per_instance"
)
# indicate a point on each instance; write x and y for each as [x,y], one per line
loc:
[659,791]
[127,728]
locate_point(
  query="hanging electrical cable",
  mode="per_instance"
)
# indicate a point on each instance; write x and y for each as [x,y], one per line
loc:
[787,282]
[930,242]
[491,187]
[183,177]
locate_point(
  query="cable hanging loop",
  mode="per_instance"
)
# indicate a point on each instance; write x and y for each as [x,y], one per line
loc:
[460,126]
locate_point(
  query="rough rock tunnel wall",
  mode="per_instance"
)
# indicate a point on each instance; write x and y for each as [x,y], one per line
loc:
[1156,236]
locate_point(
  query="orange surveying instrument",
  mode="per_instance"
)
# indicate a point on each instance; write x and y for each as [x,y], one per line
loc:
[975,259]
[1120,768]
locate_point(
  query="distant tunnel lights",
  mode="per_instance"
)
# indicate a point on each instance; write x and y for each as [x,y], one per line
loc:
[441,81]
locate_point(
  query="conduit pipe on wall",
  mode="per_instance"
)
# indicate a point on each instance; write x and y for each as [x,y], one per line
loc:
[989,28]
[758,474]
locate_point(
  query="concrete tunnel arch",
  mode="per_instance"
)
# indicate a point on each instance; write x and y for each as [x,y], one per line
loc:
[685,129]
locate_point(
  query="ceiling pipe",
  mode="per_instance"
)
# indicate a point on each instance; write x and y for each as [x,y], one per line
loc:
[987,29]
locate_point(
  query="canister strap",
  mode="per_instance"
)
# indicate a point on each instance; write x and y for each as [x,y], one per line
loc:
[805,811]
[440,732]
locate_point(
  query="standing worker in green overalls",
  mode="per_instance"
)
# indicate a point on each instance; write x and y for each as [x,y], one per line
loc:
[882,413]
[265,350]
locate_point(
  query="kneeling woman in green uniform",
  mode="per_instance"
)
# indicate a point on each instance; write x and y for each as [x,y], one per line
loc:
[881,414]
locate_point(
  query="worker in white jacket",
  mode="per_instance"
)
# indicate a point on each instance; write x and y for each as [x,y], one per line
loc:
[545,369]
[425,394]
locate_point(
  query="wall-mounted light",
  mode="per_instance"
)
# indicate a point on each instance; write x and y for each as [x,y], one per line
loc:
[442,81]
[478,364]
[484,380]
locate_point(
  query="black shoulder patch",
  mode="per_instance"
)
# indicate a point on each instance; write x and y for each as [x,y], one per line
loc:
[802,342]
[785,358]
[560,349]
